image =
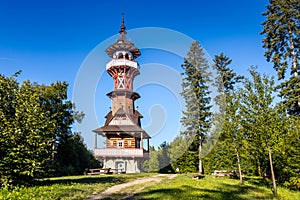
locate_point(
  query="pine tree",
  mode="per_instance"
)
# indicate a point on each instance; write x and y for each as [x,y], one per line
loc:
[226,77]
[290,93]
[196,117]
[229,105]
[282,41]
[282,33]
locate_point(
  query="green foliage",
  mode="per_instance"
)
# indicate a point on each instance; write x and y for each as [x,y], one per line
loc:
[221,157]
[228,148]
[72,156]
[227,78]
[265,123]
[281,41]
[27,132]
[177,147]
[287,154]
[35,122]
[152,165]
[290,94]
[282,33]
[293,183]
[159,160]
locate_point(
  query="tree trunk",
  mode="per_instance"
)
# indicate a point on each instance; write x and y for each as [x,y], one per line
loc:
[239,164]
[259,168]
[200,161]
[272,172]
[294,56]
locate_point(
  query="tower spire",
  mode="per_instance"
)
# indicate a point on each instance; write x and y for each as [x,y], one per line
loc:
[123,27]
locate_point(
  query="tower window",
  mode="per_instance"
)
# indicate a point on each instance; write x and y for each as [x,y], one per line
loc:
[120,144]
[120,55]
[121,82]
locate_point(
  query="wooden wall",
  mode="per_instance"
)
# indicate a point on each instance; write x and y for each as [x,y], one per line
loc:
[127,142]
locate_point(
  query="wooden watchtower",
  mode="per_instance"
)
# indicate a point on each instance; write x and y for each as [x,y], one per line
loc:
[125,138]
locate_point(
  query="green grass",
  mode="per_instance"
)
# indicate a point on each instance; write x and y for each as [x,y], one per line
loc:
[184,187]
[181,187]
[71,187]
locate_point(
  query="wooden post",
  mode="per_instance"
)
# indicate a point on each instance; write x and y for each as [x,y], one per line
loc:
[142,145]
[95,141]
[148,145]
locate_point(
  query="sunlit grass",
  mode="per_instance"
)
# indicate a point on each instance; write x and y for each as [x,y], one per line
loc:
[71,187]
[181,187]
[184,187]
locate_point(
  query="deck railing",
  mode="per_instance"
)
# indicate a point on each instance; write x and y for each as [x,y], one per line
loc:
[121,62]
[116,152]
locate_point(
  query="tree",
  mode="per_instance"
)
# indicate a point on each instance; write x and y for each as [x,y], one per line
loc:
[228,102]
[282,33]
[35,120]
[72,156]
[227,78]
[286,160]
[264,123]
[177,148]
[27,133]
[290,93]
[282,41]
[196,117]
[164,158]
[152,165]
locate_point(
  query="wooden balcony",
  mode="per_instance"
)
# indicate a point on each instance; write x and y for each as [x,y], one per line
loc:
[121,152]
[121,62]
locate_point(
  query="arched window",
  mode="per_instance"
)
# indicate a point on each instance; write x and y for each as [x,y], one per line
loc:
[120,55]
[126,56]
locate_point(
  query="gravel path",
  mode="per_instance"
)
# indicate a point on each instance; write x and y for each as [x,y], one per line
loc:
[118,188]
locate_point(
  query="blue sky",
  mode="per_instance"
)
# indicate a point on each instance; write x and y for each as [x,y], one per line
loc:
[51,40]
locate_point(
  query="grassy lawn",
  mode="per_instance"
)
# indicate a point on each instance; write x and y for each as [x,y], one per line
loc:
[184,187]
[181,187]
[71,187]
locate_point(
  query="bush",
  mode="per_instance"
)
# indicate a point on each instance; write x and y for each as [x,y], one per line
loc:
[293,183]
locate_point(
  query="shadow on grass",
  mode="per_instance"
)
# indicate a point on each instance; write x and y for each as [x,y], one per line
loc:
[226,191]
[259,181]
[83,180]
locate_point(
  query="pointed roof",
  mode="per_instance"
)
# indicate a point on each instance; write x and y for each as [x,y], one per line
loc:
[123,27]
[133,130]
[121,113]
[122,43]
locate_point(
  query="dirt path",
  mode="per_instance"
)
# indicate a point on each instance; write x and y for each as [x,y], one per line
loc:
[116,189]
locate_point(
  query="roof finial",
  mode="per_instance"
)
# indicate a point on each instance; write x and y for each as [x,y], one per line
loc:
[123,27]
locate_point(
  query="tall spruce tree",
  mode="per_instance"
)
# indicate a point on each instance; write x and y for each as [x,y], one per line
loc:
[282,42]
[282,33]
[196,117]
[228,102]
[227,78]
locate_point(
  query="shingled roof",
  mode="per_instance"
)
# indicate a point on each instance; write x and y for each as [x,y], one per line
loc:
[133,130]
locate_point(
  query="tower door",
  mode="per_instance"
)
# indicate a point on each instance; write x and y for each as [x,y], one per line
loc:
[121,166]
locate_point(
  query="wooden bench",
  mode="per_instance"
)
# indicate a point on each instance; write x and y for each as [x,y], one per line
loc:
[99,171]
[118,171]
[222,173]
[198,176]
